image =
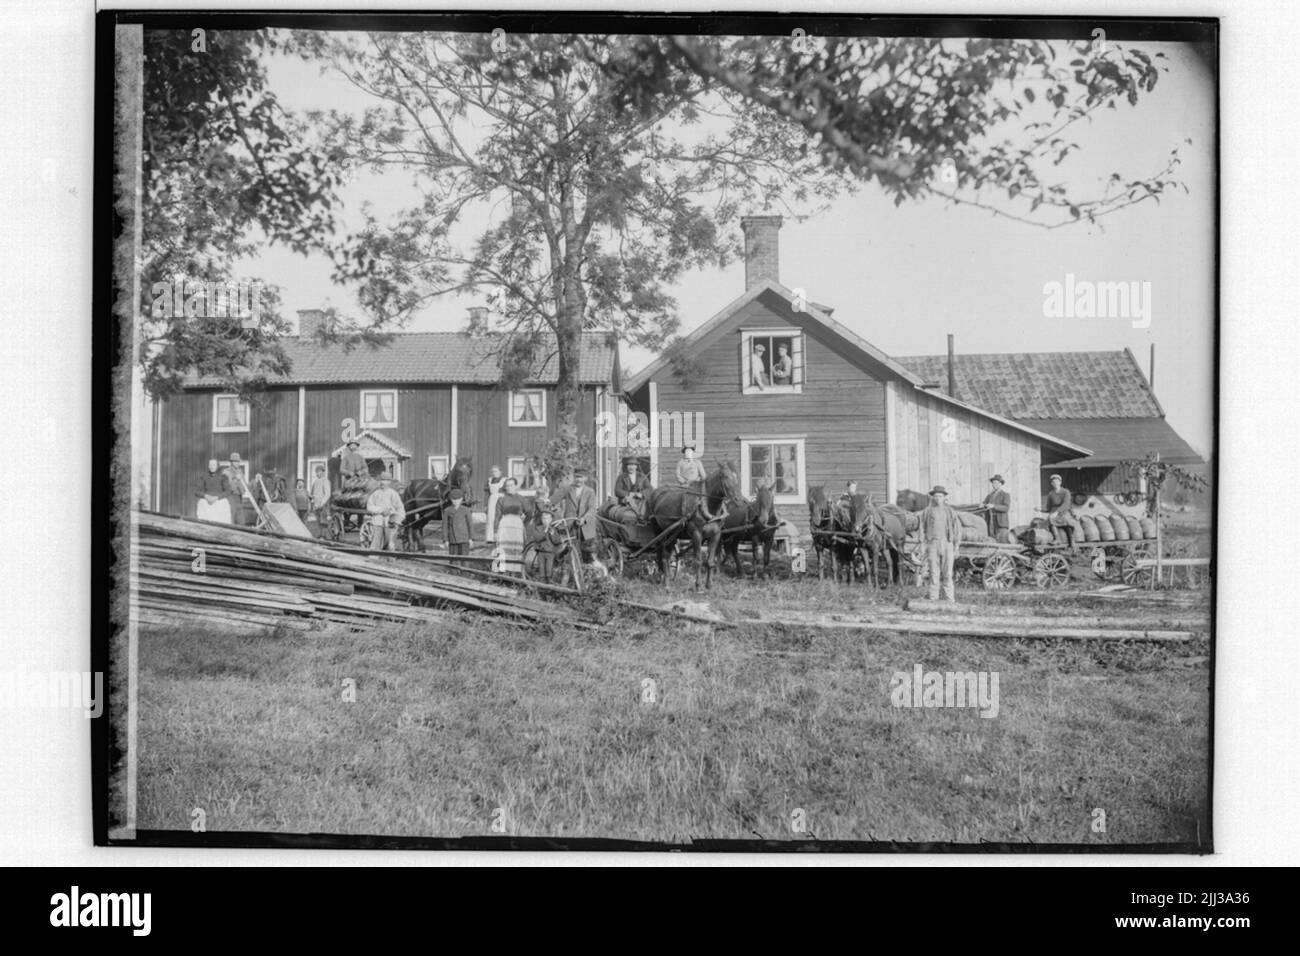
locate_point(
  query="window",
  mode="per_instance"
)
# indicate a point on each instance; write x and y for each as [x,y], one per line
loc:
[528,407]
[379,409]
[771,361]
[439,465]
[312,465]
[517,468]
[778,462]
[229,414]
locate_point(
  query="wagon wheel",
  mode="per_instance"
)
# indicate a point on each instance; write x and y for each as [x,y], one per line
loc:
[336,526]
[999,572]
[612,555]
[1133,575]
[1051,570]
[366,534]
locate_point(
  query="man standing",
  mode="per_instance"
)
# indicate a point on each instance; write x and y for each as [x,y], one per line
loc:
[386,516]
[579,501]
[353,469]
[941,531]
[457,524]
[320,497]
[782,366]
[998,503]
[758,370]
[689,470]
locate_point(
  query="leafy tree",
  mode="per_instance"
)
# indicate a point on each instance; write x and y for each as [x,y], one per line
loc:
[1157,474]
[225,169]
[603,183]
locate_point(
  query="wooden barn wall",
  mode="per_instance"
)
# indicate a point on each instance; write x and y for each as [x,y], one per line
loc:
[840,413]
[423,421]
[187,441]
[941,444]
[483,430]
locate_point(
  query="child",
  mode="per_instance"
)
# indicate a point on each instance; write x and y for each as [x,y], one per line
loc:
[548,539]
[301,502]
[457,526]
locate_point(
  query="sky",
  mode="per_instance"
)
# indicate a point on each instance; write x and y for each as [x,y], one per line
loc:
[905,277]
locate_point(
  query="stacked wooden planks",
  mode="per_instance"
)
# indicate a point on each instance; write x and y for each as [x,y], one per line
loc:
[186,572]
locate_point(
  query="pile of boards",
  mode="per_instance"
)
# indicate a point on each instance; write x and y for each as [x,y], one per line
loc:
[186,572]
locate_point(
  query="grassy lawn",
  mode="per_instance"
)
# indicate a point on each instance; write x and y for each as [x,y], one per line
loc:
[746,727]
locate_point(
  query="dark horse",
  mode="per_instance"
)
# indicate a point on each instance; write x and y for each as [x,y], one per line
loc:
[831,525]
[755,518]
[882,531]
[426,497]
[696,514]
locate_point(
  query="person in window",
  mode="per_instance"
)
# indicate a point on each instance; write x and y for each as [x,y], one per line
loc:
[782,366]
[690,470]
[758,366]
[353,468]
[212,493]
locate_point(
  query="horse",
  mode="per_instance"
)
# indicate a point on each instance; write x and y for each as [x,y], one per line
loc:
[696,514]
[883,531]
[758,518]
[831,526]
[426,497]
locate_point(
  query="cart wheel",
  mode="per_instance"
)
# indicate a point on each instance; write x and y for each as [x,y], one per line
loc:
[1130,573]
[366,534]
[336,527]
[614,558]
[1051,571]
[999,572]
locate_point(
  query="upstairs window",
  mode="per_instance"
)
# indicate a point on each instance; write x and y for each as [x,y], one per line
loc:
[379,409]
[528,407]
[229,414]
[772,361]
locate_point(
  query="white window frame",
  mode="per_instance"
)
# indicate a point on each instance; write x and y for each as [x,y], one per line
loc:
[446,466]
[362,415]
[510,408]
[312,465]
[800,441]
[522,462]
[798,355]
[248,414]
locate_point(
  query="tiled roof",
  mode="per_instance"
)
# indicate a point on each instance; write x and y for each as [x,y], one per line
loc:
[1121,439]
[1046,385]
[418,357]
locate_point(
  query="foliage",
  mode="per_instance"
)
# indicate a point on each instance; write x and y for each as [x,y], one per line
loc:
[1158,473]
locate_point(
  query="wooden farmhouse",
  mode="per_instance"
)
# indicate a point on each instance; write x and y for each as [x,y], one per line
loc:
[415,404]
[794,398]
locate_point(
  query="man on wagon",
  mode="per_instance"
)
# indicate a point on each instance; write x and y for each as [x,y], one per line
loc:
[1060,513]
[998,503]
[631,488]
[354,470]
[941,531]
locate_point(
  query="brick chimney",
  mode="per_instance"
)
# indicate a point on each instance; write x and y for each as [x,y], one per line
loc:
[762,249]
[309,320]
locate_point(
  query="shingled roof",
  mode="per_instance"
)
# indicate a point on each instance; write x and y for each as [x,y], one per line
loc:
[429,357]
[1037,386]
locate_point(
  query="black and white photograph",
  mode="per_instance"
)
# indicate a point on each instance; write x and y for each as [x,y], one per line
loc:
[582,431]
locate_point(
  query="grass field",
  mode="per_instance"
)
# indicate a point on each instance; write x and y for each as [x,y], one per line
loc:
[552,732]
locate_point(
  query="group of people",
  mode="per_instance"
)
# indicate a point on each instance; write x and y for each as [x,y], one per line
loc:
[781,372]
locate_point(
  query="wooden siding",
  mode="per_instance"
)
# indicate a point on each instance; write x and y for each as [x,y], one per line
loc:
[483,430]
[942,444]
[840,413]
[423,421]
[187,441]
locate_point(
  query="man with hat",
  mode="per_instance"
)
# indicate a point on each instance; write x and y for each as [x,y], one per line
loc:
[387,512]
[1060,513]
[630,482]
[353,468]
[690,469]
[579,501]
[998,505]
[941,532]
[457,524]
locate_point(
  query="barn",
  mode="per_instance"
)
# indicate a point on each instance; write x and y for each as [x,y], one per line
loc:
[775,384]
[415,403]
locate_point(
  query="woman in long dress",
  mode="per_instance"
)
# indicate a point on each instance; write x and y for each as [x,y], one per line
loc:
[508,527]
[211,492]
[494,485]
